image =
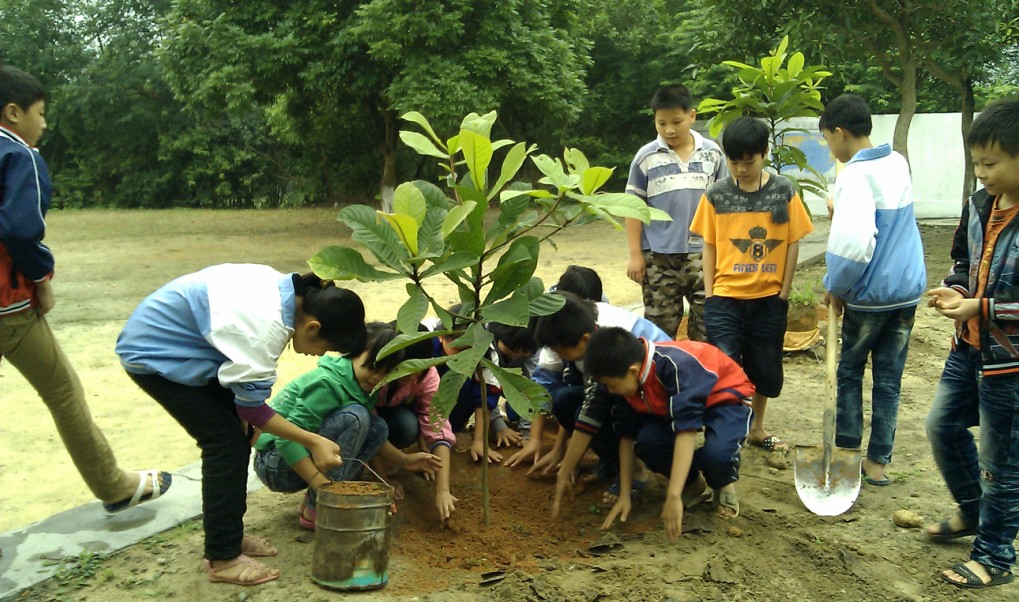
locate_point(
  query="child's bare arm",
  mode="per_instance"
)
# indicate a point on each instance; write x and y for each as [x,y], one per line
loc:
[708,257]
[532,446]
[444,500]
[792,254]
[636,270]
[624,502]
[578,445]
[682,457]
[305,469]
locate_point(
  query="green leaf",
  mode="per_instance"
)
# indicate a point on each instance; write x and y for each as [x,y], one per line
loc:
[510,212]
[456,261]
[553,171]
[510,166]
[421,144]
[545,305]
[511,311]
[538,193]
[408,367]
[479,124]
[406,229]
[466,361]
[446,396]
[406,339]
[659,215]
[522,394]
[477,151]
[418,118]
[515,268]
[409,200]
[576,160]
[796,64]
[342,263]
[380,239]
[593,179]
[620,204]
[413,310]
[456,216]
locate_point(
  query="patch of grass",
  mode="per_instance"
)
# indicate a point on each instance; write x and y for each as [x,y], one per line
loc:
[76,572]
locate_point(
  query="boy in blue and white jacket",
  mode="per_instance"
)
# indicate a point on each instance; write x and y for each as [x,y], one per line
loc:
[876,275]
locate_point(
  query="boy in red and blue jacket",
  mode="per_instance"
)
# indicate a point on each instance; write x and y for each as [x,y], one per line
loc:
[672,390]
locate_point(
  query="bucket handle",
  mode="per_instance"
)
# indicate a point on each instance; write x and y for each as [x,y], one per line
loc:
[365,464]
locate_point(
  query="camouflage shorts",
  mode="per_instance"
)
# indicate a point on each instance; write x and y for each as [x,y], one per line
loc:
[671,277]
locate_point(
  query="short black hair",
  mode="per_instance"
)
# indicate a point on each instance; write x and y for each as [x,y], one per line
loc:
[567,326]
[999,122]
[20,88]
[849,112]
[581,281]
[339,311]
[379,335]
[611,351]
[517,338]
[744,138]
[673,96]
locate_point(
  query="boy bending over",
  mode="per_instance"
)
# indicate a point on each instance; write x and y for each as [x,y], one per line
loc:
[672,390]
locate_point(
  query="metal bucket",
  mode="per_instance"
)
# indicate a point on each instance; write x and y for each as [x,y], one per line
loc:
[352,530]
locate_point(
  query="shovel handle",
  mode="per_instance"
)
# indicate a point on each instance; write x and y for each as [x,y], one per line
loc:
[831,353]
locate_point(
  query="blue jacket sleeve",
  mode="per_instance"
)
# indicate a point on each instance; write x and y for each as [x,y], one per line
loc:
[22,207]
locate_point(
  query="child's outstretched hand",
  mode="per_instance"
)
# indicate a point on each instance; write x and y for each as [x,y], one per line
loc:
[620,509]
[546,465]
[478,450]
[446,504]
[672,516]
[938,296]
[508,437]
[531,449]
[562,486]
[422,462]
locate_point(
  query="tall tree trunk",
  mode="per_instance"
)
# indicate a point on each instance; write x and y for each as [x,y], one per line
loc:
[967,110]
[387,186]
[907,90]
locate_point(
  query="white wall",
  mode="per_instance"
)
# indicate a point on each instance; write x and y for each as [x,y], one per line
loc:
[936,157]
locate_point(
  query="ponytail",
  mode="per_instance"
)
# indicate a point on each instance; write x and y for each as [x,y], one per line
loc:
[339,311]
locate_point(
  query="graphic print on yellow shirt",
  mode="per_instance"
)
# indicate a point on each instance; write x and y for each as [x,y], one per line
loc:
[751,232]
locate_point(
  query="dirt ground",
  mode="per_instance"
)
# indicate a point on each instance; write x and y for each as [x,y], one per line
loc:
[775,549]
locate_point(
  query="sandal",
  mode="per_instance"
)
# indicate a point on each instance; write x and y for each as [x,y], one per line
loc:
[306,512]
[771,443]
[972,581]
[248,575]
[945,532]
[160,482]
[721,498]
[258,547]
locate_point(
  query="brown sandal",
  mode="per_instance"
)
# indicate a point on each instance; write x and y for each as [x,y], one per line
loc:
[257,547]
[252,572]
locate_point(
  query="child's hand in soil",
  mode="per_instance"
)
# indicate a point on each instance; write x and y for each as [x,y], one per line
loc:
[446,504]
[422,462]
[478,450]
[546,465]
[531,449]
[672,516]
[562,486]
[620,509]
[398,491]
[508,437]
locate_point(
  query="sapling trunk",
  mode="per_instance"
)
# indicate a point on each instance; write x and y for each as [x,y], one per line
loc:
[484,454]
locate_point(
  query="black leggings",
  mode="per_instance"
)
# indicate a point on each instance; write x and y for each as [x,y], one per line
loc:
[209,415]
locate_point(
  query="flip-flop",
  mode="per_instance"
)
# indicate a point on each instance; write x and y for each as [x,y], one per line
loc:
[771,443]
[725,499]
[160,482]
[250,565]
[945,532]
[972,581]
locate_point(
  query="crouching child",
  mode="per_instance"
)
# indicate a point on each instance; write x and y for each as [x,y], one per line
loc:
[673,390]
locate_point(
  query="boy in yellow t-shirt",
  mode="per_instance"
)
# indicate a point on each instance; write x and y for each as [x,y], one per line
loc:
[751,223]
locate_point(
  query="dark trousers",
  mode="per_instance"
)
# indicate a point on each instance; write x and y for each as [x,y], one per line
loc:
[209,415]
[566,404]
[725,429]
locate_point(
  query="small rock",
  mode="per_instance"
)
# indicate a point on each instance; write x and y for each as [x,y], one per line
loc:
[734,531]
[160,560]
[772,470]
[242,596]
[907,519]
[777,460]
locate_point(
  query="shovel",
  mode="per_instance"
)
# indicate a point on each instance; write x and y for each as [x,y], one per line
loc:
[827,477]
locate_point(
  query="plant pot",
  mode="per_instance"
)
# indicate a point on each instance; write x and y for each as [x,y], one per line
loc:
[801,318]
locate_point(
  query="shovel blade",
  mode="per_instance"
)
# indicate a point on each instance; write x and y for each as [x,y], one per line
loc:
[827,489]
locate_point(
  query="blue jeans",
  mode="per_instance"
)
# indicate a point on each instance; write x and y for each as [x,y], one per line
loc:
[403,424]
[359,435]
[984,482]
[884,338]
